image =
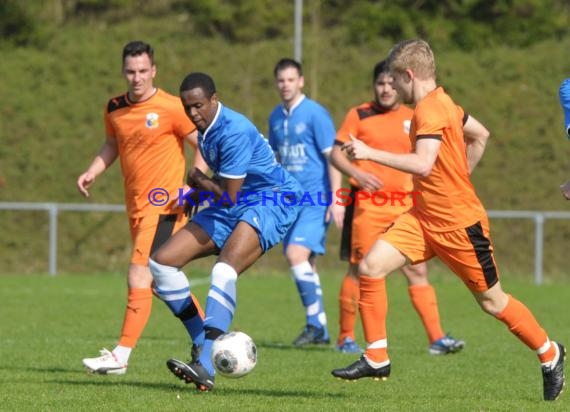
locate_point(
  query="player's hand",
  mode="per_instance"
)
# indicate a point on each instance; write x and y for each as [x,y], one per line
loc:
[186,205]
[191,201]
[84,182]
[335,212]
[565,189]
[368,181]
[191,209]
[194,177]
[356,149]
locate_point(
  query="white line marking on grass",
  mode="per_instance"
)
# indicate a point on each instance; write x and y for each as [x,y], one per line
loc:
[199,281]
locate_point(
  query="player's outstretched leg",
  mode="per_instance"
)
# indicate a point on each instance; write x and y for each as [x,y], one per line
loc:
[553,375]
[348,310]
[446,345]
[106,364]
[348,345]
[362,369]
[308,285]
[311,335]
[192,373]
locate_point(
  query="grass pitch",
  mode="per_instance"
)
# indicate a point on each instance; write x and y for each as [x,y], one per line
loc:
[48,324]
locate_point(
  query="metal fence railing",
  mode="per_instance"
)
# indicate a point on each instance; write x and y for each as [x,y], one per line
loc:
[53,210]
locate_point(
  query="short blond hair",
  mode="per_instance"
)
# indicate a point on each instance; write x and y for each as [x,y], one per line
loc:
[415,55]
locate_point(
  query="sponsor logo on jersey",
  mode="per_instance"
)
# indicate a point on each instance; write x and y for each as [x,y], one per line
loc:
[407,126]
[152,120]
[300,128]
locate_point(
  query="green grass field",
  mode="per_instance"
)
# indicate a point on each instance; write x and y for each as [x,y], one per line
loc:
[49,323]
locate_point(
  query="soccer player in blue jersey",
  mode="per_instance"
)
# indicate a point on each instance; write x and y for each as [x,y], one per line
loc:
[565,103]
[254,207]
[302,134]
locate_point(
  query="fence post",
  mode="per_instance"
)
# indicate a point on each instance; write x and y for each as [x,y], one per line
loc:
[538,247]
[53,239]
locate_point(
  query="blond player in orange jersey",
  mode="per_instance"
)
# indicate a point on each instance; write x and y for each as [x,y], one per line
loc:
[448,220]
[146,128]
[383,124]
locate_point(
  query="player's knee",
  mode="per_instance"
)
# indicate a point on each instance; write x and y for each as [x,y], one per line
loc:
[370,267]
[222,274]
[416,275]
[492,301]
[155,256]
[160,272]
[491,306]
[297,254]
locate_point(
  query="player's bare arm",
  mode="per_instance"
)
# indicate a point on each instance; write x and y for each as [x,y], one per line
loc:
[366,181]
[226,188]
[335,211]
[476,136]
[565,189]
[105,158]
[419,162]
[199,162]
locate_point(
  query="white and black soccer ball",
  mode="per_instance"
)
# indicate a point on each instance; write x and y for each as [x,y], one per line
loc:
[234,354]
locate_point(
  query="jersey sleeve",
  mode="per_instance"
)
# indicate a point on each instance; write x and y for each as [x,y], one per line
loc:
[271,135]
[181,124]
[463,116]
[349,127]
[236,152]
[275,129]
[323,128]
[109,129]
[431,120]
[565,103]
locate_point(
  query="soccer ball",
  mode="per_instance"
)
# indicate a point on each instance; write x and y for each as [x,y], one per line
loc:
[234,354]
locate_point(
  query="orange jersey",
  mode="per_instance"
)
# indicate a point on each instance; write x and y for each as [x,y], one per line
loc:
[150,140]
[448,200]
[384,130]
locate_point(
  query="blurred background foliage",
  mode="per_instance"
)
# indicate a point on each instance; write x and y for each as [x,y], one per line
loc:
[466,24]
[502,60]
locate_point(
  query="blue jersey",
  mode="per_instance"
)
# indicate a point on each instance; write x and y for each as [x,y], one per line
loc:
[565,103]
[301,136]
[233,148]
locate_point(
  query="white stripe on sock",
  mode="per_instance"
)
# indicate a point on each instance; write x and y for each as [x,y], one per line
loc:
[544,348]
[379,344]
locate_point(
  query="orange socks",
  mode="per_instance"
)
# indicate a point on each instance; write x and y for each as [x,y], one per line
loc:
[373,311]
[197,303]
[348,307]
[136,316]
[524,326]
[425,302]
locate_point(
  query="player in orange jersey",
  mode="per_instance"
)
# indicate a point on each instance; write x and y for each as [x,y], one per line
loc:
[382,124]
[146,128]
[448,220]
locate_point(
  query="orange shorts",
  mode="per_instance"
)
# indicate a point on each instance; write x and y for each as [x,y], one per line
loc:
[468,252]
[150,232]
[368,224]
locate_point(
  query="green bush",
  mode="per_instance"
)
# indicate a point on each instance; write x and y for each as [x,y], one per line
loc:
[16,26]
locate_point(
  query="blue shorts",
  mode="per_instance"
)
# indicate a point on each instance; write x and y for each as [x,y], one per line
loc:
[310,230]
[271,222]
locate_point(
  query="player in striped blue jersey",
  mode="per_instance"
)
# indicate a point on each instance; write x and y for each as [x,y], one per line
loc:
[302,134]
